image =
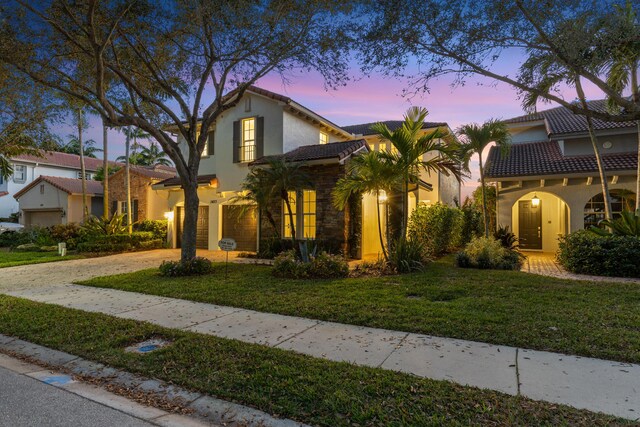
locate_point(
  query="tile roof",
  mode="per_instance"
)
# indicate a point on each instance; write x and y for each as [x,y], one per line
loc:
[152,172]
[65,160]
[545,158]
[68,185]
[175,181]
[364,129]
[561,120]
[334,150]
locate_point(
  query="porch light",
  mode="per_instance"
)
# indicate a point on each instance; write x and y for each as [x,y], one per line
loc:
[535,202]
[382,196]
[169,215]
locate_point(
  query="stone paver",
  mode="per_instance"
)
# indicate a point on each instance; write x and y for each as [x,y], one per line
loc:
[544,264]
[598,385]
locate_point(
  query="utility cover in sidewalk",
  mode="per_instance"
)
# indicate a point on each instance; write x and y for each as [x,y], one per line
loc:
[148,346]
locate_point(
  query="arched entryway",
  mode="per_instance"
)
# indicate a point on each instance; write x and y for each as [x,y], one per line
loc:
[538,219]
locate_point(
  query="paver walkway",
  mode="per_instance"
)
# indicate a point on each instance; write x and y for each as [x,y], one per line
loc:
[544,264]
[598,385]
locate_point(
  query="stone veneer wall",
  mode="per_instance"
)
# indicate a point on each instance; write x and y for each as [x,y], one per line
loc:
[332,226]
[139,191]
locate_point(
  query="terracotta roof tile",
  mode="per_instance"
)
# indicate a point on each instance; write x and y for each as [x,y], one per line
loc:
[545,158]
[63,160]
[561,120]
[364,129]
[68,185]
[175,181]
[334,150]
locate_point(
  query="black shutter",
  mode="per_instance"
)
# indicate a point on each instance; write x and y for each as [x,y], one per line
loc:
[114,207]
[210,145]
[236,141]
[259,137]
[134,212]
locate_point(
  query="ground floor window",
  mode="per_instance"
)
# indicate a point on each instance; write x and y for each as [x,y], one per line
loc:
[303,207]
[621,200]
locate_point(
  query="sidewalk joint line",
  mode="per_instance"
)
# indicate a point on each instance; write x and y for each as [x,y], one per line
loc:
[209,320]
[142,308]
[397,346]
[517,372]
[295,335]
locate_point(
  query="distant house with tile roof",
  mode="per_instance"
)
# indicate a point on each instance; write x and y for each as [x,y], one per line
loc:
[548,183]
[52,200]
[27,168]
[265,125]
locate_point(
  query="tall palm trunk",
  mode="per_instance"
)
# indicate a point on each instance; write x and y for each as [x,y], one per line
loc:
[484,197]
[85,210]
[635,94]
[596,150]
[105,172]
[128,181]
[384,250]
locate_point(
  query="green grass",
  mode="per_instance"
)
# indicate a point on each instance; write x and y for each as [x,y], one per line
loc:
[501,307]
[11,259]
[280,382]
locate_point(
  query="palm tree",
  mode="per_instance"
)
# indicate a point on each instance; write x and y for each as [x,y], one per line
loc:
[73,146]
[622,70]
[153,155]
[366,173]
[476,138]
[277,179]
[410,145]
[257,190]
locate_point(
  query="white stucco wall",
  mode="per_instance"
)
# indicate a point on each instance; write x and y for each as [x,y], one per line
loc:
[523,133]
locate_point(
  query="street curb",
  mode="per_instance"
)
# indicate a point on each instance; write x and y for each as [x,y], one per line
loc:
[200,405]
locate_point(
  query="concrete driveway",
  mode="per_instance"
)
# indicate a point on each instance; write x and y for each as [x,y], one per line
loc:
[58,273]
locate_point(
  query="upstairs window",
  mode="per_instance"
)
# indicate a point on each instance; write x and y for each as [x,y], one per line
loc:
[208,144]
[248,141]
[19,173]
[324,138]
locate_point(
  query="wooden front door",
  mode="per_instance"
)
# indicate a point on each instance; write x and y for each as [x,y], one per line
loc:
[202,228]
[530,225]
[240,223]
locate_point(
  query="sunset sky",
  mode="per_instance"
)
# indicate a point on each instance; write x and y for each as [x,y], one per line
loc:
[369,99]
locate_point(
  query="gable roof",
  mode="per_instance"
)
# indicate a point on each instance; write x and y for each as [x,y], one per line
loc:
[152,172]
[364,129]
[306,153]
[55,158]
[561,120]
[68,185]
[545,158]
[175,181]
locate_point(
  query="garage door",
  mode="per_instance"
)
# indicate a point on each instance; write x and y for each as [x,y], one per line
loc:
[202,228]
[240,223]
[42,218]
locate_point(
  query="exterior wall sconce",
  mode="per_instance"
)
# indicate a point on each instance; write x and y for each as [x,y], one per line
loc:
[169,216]
[535,202]
[382,196]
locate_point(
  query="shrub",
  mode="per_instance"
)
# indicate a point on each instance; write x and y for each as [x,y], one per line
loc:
[151,244]
[472,224]
[407,255]
[323,266]
[12,239]
[157,227]
[271,247]
[438,228]
[97,247]
[584,252]
[197,266]
[65,232]
[111,242]
[506,238]
[100,226]
[372,269]
[488,253]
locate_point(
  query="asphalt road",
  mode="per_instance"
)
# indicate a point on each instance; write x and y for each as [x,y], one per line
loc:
[27,402]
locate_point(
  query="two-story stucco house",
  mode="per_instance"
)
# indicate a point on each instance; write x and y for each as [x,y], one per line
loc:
[28,168]
[548,184]
[265,124]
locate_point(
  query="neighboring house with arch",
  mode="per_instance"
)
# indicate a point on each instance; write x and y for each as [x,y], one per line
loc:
[548,183]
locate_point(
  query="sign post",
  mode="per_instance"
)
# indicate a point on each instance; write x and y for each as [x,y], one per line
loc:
[227,245]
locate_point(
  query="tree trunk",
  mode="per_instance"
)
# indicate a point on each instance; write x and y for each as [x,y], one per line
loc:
[638,172]
[128,181]
[85,211]
[596,150]
[190,225]
[405,208]
[105,172]
[484,198]
[635,93]
[290,212]
[384,250]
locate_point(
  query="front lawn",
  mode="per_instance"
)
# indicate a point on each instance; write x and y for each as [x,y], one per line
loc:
[280,382]
[501,307]
[11,259]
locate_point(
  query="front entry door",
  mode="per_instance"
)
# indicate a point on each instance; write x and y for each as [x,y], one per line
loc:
[530,225]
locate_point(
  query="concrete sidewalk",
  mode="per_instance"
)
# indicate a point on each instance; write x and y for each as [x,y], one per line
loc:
[597,385]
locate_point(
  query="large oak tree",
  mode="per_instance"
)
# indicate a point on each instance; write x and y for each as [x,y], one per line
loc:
[171,64]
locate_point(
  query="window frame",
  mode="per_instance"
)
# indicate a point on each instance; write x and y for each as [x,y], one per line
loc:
[23,172]
[243,146]
[305,218]
[325,139]
[594,208]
